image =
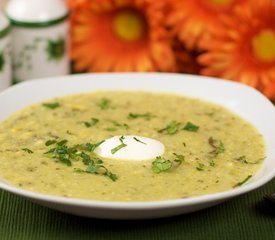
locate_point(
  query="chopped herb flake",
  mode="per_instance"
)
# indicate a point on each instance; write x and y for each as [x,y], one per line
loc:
[89,147]
[242,182]
[50,142]
[93,168]
[27,150]
[62,142]
[179,158]
[121,138]
[243,159]
[190,127]
[111,175]
[212,163]
[217,146]
[200,167]
[122,145]
[91,123]
[139,140]
[160,164]
[146,116]
[171,128]
[52,105]
[104,103]
[121,125]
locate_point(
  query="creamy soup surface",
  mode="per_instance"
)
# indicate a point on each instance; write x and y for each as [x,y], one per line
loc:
[49,147]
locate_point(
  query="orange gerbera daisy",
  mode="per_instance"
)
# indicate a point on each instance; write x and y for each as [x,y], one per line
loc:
[245,50]
[120,35]
[76,4]
[186,60]
[195,20]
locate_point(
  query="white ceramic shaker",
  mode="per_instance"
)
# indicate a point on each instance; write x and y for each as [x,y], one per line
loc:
[40,31]
[5,53]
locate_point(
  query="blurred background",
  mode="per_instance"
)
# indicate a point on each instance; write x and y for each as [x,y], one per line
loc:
[229,39]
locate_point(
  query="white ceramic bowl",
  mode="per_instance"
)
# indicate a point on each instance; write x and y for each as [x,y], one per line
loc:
[243,100]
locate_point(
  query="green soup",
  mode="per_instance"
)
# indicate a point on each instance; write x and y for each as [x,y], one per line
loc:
[49,147]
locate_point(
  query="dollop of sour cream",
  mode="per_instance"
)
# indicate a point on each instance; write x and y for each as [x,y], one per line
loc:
[130,148]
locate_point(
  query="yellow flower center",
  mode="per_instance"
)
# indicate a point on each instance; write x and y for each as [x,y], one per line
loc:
[221,2]
[129,25]
[264,45]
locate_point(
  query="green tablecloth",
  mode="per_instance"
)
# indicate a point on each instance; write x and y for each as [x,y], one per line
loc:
[245,217]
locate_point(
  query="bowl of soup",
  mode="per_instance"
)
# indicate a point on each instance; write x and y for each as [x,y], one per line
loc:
[134,145]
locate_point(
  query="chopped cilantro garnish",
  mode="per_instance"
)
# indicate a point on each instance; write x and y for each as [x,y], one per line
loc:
[121,125]
[50,142]
[190,127]
[61,152]
[217,146]
[94,166]
[242,182]
[67,155]
[160,164]
[200,167]
[97,167]
[27,150]
[120,146]
[79,170]
[52,105]
[114,150]
[62,142]
[171,128]
[121,138]
[146,116]
[179,158]
[104,103]
[243,159]
[212,163]
[111,175]
[138,140]
[86,159]
[89,147]
[91,123]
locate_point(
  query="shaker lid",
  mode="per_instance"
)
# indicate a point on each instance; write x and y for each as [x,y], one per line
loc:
[36,11]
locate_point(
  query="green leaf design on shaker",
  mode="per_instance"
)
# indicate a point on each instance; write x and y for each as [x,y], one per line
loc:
[56,49]
[24,58]
[2,61]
